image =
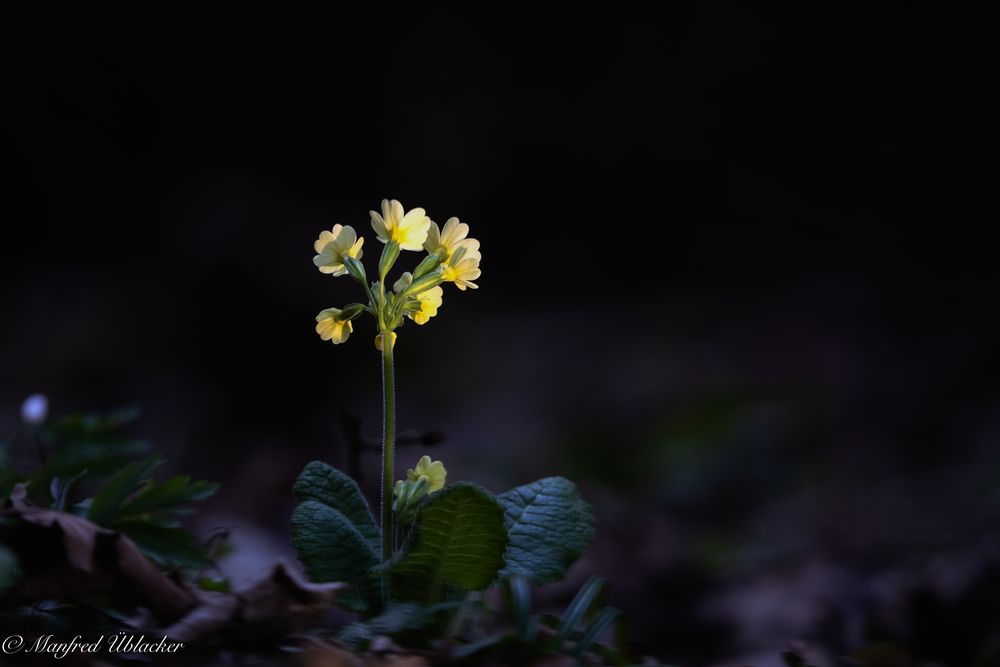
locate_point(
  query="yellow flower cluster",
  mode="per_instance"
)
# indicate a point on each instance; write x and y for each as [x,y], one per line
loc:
[452,257]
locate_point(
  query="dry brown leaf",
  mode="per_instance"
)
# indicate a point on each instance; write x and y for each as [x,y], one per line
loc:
[65,556]
[402,661]
[214,613]
[264,611]
[383,644]
[322,654]
[555,661]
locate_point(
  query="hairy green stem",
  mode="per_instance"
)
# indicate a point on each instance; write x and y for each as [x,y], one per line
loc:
[388,450]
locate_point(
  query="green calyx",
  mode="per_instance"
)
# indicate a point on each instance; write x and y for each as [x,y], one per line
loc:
[390,253]
[424,283]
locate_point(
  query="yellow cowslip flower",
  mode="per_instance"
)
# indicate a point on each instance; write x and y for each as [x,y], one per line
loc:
[432,471]
[449,239]
[333,246]
[408,229]
[330,327]
[429,300]
[462,268]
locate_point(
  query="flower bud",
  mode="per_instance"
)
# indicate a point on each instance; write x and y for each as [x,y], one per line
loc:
[35,409]
[378,340]
[408,497]
[404,281]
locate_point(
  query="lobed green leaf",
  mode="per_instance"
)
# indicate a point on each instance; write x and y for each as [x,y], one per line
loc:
[106,504]
[170,496]
[167,545]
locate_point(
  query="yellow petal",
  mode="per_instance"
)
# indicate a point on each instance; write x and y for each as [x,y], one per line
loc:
[433,241]
[453,232]
[395,211]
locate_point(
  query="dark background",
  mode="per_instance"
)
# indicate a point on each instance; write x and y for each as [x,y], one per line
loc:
[735,280]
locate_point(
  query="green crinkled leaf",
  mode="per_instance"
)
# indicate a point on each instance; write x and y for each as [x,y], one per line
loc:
[332,548]
[335,533]
[325,484]
[458,540]
[549,526]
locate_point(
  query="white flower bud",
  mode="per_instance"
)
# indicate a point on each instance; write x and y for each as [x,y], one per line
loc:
[35,409]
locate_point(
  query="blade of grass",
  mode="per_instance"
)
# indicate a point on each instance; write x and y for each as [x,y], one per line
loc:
[604,618]
[577,609]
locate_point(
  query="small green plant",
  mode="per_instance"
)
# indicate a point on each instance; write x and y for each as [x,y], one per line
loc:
[89,466]
[513,632]
[434,542]
[530,635]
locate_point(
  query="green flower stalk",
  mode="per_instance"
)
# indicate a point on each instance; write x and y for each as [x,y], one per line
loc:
[388,440]
[452,257]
